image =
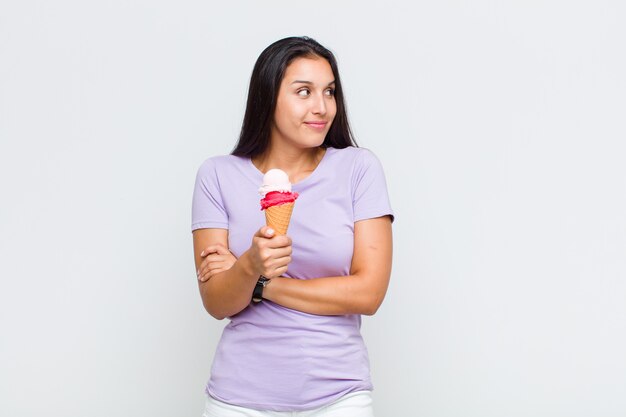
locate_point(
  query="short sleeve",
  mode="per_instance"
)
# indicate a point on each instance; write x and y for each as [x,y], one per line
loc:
[370,198]
[207,209]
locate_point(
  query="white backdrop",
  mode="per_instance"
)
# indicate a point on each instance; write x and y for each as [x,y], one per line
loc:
[501,129]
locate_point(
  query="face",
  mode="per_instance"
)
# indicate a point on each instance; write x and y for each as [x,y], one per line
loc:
[305,106]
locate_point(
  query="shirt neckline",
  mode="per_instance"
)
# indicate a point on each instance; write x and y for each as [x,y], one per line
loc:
[302,182]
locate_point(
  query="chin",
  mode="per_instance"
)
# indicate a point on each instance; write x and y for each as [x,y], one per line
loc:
[309,142]
[315,144]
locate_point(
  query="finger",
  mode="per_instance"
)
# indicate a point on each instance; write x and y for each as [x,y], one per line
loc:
[217,247]
[210,270]
[216,265]
[213,268]
[222,250]
[272,266]
[204,264]
[227,259]
[266,232]
[277,272]
[280,252]
[279,241]
[202,272]
[222,256]
[283,262]
[214,257]
[269,258]
[205,267]
[202,277]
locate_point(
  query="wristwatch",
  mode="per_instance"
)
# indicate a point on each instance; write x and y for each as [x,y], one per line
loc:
[257,294]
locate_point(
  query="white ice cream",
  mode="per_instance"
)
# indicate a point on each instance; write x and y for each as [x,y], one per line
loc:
[275,180]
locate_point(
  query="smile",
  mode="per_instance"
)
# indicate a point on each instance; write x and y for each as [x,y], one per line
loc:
[316,125]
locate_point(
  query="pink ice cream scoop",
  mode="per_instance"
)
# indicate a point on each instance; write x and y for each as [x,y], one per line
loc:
[277,200]
[276,189]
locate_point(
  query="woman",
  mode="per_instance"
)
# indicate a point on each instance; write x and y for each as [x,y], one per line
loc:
[300,348]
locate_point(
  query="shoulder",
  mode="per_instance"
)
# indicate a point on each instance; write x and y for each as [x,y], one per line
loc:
[353,157]
[220,163]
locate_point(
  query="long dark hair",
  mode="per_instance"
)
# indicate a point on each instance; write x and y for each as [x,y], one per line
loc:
[267,76]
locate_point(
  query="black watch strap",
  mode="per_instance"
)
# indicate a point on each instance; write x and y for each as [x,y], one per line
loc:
[257,293]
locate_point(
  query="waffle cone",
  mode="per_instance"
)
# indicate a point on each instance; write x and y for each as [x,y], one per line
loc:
[277,217]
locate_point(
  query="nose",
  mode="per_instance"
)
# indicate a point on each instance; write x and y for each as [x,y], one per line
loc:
[318,104]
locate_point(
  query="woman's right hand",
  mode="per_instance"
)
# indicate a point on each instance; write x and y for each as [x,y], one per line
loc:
[270,254]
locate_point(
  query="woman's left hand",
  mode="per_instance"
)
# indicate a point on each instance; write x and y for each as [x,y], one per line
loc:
[217,258]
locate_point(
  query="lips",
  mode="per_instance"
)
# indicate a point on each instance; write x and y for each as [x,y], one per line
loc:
[316,125]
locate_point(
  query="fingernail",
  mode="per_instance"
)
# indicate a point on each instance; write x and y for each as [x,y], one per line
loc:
[198,273]
[202,253]
[269,232]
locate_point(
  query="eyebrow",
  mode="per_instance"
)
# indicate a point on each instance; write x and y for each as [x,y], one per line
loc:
[309,82]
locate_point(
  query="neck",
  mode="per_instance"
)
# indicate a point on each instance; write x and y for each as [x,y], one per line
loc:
[297,163]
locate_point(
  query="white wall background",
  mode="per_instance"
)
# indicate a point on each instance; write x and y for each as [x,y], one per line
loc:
[501,126]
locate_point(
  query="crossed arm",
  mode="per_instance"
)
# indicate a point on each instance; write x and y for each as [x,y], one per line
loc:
[231,281]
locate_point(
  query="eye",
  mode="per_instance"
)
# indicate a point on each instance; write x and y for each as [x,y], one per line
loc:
[304,92]
[330,92]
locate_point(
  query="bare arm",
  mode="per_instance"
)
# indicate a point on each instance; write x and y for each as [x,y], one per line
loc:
[229,292]
[361,292]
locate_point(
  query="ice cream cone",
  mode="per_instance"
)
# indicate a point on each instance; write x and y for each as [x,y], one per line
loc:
[278,217]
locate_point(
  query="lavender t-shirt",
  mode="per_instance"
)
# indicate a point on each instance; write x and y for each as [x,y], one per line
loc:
[271,357]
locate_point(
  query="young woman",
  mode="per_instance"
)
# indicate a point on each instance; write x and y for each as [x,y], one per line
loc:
[299,350]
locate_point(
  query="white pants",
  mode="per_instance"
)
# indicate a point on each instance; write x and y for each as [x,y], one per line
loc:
[355,404]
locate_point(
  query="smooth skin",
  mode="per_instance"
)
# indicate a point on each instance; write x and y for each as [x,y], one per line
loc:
[304,113]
